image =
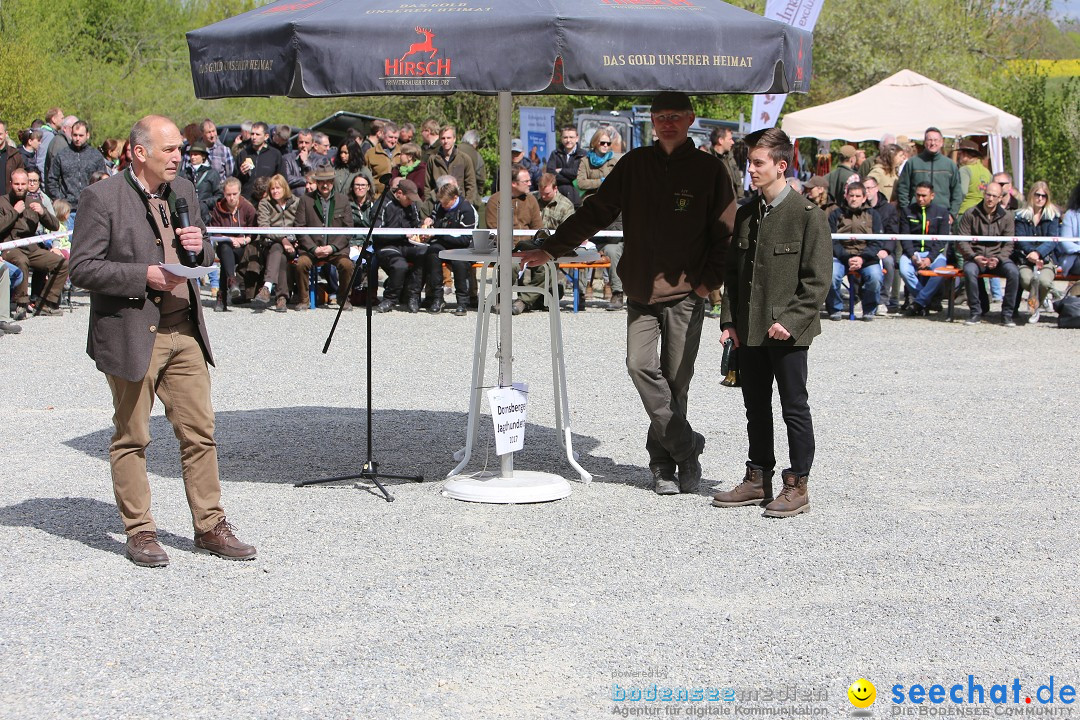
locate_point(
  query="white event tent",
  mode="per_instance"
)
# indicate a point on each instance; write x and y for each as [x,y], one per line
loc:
[906,104]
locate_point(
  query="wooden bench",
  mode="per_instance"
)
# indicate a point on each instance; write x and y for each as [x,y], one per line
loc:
[951,272]
[572,269]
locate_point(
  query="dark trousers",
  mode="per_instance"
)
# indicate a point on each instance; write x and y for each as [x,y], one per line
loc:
[1006,269]
[662,342]
[758,366]
[460,268]
[394,260]
[248,258]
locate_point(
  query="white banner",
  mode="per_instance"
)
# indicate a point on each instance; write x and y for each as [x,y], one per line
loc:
[802,14]
[538,132]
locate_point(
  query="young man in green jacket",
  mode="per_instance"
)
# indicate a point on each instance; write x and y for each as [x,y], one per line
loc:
[777,274]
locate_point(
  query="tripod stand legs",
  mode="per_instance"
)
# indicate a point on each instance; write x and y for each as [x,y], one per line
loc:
[370,472]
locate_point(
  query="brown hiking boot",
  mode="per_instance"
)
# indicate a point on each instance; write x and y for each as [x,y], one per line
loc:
[755,489]
[143,549]
[793,499]
[262,298]
[664,482]
[221,542]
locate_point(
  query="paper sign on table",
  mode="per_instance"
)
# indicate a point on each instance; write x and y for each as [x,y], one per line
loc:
[508,405]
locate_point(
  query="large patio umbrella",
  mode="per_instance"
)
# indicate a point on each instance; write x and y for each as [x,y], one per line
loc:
[326,48]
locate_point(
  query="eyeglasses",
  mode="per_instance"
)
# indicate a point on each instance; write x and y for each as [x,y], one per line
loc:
[668,118]
[602,143]
[1042,195]
[991,196]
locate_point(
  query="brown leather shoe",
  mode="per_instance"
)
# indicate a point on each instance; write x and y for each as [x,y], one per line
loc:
[755,489]
[143,549]
[221,542]
[793,499]
[262,298]
[280,304]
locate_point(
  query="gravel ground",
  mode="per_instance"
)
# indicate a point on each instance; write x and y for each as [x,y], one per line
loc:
[942,540]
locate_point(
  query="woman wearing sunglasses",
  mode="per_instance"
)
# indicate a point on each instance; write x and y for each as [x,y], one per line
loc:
[593,169]
[1041,218]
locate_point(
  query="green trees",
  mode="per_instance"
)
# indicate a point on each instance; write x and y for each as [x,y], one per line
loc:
[111,61]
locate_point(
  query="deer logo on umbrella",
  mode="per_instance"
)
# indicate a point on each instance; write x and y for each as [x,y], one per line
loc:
[422,47]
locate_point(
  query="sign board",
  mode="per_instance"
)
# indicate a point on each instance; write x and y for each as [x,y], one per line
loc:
[508,405]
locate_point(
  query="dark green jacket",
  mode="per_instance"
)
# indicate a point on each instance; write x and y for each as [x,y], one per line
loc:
[778,270]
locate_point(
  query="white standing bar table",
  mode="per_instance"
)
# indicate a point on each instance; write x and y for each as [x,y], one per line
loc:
[522,486]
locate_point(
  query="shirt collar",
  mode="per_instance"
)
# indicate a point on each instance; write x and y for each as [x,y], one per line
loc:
[766,207]
[150,195]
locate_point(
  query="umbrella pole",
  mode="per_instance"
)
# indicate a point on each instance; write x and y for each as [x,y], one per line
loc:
[506,268]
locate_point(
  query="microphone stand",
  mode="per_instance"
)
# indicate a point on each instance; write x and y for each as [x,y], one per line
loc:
[370,469]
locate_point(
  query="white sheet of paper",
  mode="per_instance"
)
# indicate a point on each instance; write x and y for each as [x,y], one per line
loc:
[184,271]
[508,406]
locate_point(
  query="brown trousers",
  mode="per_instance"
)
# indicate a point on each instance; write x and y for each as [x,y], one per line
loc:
[344,266]
[178,375]
[38,258]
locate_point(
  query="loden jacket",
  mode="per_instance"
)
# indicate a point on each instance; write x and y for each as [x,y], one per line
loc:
[779,269]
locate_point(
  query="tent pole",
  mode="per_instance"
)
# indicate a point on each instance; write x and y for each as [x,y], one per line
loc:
[506,268]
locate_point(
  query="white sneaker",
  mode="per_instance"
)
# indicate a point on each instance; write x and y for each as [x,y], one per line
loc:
[1034,317]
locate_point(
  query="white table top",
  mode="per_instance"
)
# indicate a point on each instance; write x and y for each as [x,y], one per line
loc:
[492,256]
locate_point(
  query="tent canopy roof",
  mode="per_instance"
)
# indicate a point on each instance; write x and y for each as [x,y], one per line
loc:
[904,104]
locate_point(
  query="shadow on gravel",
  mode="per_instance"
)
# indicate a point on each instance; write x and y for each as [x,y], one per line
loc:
[283,445]
[80,519]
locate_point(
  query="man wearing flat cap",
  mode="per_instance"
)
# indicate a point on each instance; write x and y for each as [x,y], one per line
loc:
[678,209]
[324,208]
[838,179]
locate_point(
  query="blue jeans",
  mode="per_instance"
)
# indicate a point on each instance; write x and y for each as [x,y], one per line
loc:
[871,287]
[14,276]
[922,289]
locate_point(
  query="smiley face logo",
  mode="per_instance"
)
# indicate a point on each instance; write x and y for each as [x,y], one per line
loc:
[862,693]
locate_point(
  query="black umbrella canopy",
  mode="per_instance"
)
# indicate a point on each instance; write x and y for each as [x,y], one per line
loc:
[323,48]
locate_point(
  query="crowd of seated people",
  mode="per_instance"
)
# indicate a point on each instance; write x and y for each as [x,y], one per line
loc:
[913,190]
[271,176]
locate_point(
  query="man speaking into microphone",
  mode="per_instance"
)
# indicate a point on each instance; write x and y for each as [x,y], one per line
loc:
[147,334]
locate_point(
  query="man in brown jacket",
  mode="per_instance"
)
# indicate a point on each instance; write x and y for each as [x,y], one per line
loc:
[324,208]
[778,272]
[148,337]
[527,216]
[20,216]
[988,218]
[678,206]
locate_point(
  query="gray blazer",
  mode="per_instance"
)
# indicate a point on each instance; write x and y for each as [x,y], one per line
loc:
[785,280]
[113,243]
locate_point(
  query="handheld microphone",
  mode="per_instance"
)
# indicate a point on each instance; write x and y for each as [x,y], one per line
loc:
[187,257]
